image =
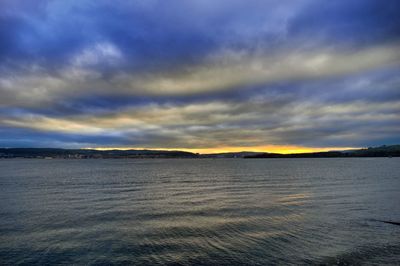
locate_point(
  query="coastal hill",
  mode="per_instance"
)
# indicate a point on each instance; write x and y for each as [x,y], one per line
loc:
[52,153]
[382,151]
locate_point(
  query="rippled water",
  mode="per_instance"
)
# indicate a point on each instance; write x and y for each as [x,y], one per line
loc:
[200,212]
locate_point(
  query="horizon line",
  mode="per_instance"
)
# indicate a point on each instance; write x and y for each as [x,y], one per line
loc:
[282,149]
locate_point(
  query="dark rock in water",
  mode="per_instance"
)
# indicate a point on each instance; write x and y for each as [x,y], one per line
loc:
[390,222]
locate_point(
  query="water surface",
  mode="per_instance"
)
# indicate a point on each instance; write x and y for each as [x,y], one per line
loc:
[200,211]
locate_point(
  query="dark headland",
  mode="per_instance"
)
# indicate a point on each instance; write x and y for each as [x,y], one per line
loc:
[54,153]
[381,151]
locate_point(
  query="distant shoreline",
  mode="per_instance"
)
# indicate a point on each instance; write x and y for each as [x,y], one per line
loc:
[55,153]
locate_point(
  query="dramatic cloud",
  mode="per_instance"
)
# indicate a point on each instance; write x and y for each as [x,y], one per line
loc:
[199,74]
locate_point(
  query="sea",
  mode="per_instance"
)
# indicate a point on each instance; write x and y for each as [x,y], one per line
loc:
[325,211]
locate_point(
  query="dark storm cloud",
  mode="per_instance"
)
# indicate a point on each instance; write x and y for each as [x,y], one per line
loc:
[358,22]
[149,33]
[159,33]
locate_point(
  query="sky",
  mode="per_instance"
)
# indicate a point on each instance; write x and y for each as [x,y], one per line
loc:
[200,75]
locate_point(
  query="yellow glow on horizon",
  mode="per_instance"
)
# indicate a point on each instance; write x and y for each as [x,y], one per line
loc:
[284,149]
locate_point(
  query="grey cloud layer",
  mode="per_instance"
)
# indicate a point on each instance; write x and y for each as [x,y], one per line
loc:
[228,70]
[251,123]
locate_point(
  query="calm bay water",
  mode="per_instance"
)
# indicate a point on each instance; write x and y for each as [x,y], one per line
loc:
[200,212]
